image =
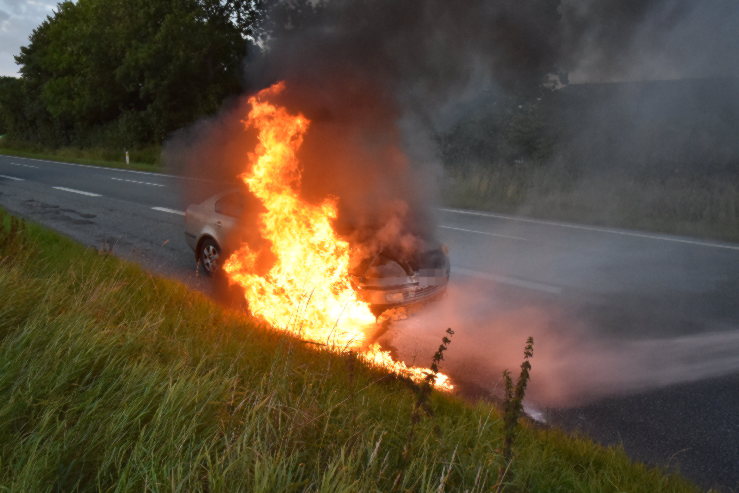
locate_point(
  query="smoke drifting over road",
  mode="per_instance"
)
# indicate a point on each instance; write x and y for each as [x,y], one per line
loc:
[573,364]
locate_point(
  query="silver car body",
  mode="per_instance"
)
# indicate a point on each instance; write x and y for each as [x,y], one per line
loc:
[204,220]
[387,283]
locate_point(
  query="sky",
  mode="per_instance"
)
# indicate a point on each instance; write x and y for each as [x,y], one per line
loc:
[17,20]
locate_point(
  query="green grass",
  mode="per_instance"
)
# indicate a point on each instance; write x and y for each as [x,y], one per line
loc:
[146,159]
[112,379]
[706,208]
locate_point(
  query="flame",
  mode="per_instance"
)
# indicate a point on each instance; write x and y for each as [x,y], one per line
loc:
[307,290]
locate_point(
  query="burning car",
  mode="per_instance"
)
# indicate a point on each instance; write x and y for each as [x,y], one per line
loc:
[297,268]
[385,281]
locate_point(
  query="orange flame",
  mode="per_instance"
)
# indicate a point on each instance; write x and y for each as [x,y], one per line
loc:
[307,291]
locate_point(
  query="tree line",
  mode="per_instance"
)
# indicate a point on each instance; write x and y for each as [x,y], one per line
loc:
[120,73]
[127,73]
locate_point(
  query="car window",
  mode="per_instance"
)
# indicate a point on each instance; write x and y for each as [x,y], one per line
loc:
[230,205]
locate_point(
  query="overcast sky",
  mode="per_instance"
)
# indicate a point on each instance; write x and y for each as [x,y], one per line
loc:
[17,20]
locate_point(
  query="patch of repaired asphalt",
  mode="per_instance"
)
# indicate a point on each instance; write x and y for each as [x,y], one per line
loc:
[55,212]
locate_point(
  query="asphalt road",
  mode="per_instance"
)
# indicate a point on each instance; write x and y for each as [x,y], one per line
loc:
[637,333]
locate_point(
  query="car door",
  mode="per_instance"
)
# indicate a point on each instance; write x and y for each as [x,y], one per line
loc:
[228,209]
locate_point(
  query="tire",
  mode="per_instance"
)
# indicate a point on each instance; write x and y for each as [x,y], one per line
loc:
[209,254]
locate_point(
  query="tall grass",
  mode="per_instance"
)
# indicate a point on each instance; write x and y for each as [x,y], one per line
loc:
[114,380]
[707,207]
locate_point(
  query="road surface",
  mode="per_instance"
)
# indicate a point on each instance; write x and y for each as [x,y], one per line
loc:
[645,325]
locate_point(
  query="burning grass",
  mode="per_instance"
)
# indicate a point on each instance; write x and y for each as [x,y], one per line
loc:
[113,379]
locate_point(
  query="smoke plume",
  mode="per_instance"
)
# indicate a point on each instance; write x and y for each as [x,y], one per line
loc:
[381,80]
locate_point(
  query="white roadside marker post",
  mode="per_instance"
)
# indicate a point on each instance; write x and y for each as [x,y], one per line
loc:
[127,163]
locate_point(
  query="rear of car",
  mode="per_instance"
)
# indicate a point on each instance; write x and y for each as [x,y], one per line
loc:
[210,227]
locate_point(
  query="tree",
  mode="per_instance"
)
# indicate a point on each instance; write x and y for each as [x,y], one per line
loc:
[248,16]
[9,97]
[127,72]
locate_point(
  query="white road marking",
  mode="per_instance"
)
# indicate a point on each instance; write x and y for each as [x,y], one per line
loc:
[511,281]
[171,211]
[11,178]
[593,228]
[81,192]
[139,182]
[24,165]
[114,169]
[105,168]
[497,235]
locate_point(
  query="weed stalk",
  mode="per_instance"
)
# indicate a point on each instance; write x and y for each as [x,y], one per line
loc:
[513,406]
[423,391]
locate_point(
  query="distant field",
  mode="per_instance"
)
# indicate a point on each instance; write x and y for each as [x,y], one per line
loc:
[114,379]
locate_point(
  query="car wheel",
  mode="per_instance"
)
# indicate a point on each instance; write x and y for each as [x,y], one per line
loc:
[209,255]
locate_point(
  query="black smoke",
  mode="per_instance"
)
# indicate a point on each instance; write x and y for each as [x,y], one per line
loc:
[378,79]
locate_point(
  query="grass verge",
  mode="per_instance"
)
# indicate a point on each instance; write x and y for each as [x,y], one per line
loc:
[139,160]
[114,379]
[707,208]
